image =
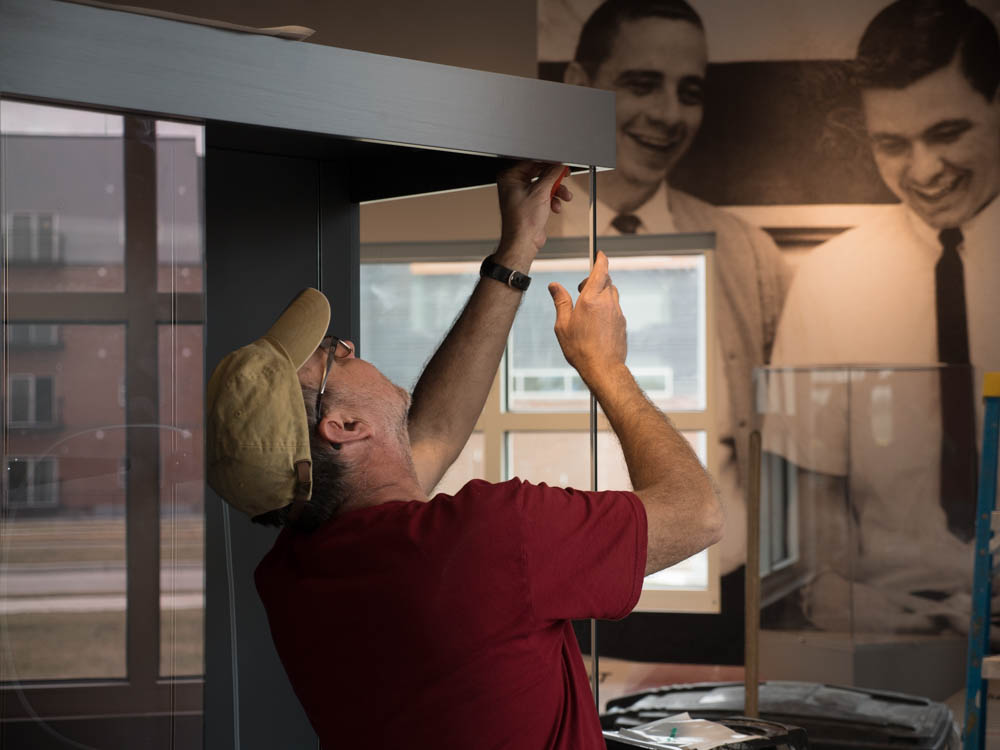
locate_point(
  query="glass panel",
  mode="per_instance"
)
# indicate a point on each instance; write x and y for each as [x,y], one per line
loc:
[182,522]
[858,544]
[72,457]
[63,187]
[562,459]
[43,401]
[20,400]
[180,151]
[62,575]
[17,481]
[20,237]
[406,309]
[663,298]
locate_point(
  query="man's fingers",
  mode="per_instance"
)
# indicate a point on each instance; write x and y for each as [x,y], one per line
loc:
[599,278]
[549,174]
[562,301]
[564,193]
[521,172]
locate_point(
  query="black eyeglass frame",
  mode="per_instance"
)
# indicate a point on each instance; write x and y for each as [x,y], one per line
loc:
[331,353]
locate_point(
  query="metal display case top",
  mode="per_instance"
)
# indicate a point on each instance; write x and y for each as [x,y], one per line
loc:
[65,52]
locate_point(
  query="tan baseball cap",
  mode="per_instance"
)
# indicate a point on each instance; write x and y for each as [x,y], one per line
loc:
[257,436]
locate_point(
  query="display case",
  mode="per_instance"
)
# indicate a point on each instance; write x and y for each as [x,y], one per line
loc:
[866,569]
[166,189]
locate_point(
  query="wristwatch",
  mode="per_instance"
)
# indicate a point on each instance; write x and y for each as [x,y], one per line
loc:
[513,279]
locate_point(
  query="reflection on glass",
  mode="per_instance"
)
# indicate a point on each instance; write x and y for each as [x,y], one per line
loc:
[103,411]
[468,465]
[855,536]
[663,298]
[561,459]
[62,573]
[179,252]
[63,186]
[182,524]
[406,310]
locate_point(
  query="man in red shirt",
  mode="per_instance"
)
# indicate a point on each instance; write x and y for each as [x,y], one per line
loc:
[409,621]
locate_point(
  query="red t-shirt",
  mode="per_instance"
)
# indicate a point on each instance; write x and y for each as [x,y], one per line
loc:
[446,624]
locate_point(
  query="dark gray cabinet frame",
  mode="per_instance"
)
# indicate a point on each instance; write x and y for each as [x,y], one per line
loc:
[296,136]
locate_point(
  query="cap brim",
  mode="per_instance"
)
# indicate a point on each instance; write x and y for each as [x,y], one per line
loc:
[302,325]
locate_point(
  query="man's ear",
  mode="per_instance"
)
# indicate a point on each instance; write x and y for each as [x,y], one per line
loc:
[575,75]
[338,429]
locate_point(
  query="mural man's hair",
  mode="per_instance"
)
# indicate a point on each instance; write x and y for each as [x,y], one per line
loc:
[911,39]
[600,30]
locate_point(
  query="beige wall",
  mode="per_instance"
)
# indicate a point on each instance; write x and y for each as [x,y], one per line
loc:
[495,36]
[459,215]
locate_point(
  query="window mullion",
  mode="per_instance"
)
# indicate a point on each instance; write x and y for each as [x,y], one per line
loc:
[141,378]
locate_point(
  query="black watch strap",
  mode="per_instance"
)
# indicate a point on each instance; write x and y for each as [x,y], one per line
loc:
[513,279]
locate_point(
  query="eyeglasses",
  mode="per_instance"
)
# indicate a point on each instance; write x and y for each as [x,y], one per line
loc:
[335,349]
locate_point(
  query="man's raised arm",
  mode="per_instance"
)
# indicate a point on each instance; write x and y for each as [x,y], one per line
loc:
[451,391]
[683,512]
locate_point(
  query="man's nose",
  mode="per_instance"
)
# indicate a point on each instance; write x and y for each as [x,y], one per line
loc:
[353,348]
[925,165]
[665,108]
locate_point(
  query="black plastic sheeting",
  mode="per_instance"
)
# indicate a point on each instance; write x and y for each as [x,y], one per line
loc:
[833,716]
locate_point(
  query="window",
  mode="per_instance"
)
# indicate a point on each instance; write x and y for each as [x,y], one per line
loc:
[31,400]
[32,482]
[34,335]
[34,237]
[535,424]
[104,350]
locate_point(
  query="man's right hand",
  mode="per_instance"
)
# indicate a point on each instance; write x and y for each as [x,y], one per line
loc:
[683,514]
[592,333]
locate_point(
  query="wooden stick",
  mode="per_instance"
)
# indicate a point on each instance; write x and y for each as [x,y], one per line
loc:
[752,608]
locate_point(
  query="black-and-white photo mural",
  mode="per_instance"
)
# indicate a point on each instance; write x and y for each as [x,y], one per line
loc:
[847,158]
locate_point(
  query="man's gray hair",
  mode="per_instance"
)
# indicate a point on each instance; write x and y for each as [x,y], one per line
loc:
[329,490]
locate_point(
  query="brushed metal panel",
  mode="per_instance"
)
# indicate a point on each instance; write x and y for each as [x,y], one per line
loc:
[75,53]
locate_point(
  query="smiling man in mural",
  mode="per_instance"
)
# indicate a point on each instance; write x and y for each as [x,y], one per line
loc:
[653,55]
[915,287]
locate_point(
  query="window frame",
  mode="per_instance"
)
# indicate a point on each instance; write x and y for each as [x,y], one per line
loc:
[32,421]
[32,463]
[496,423]
[34,216]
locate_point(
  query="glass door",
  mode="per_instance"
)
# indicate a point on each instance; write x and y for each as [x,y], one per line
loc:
[101,533]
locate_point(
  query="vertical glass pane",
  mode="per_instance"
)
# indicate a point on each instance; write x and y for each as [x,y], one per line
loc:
[43,401]
[663,298]
[20,400]
[62,572]
[180,151]
[562,459]
[20,237]
[182,525]
[17,481]
[63,186]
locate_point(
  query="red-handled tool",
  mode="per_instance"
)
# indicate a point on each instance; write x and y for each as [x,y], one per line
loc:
[559,182]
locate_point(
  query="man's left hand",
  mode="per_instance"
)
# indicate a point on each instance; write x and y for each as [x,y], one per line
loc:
[526,202]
